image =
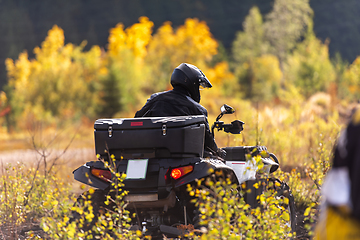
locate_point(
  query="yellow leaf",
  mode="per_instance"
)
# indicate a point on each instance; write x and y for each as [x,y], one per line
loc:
[285,216]
[45,228]
[307,211]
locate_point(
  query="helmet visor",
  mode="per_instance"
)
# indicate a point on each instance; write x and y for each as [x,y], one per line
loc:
[204,82]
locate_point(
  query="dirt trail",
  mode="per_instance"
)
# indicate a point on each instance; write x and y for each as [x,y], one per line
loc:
[71,157]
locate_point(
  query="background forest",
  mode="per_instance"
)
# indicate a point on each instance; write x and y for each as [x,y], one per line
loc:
[24,24]
[293,96]
[270,57]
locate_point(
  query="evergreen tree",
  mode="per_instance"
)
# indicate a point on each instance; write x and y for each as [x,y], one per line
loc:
[286,24]
[110,97]
[250,43]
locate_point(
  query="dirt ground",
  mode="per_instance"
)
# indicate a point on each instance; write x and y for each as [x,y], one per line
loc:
[30,157]
[301,232]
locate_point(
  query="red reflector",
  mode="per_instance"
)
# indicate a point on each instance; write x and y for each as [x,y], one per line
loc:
[134,124]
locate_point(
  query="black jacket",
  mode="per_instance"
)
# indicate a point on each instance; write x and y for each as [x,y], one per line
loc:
[177,102]
[347,154]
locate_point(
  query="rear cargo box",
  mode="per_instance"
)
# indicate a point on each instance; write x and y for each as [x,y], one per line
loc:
[159,137]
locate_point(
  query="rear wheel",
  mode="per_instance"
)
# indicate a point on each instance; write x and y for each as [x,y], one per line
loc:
[87,203]
[226,179]
[282,191]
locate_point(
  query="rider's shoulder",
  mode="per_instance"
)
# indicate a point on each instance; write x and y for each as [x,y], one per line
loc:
[155,95]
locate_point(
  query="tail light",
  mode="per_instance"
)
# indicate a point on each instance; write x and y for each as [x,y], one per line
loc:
[177,173]
[102,174]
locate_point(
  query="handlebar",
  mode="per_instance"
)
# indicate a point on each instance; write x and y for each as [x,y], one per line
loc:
[235,127]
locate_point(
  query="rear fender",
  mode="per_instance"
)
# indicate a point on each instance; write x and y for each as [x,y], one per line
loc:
[83,174]
[205,168]
[246,170]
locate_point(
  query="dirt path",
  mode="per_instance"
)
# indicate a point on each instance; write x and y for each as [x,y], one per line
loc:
[71,157]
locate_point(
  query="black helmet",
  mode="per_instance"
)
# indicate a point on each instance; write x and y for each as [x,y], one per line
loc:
[191,78]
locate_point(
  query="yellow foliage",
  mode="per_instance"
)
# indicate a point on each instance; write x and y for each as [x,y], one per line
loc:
[267,69]
[260,78]
[56,82]
[163,44]
[139,36]
[117,39]
[191,42]
[65,81]
[195,42]
[198,35]
[52,44]
[135,38]
[3,99]
[18,72]
[164,35]
[125,57]
[219,74]
[309,67]
[352,75]
[223,81]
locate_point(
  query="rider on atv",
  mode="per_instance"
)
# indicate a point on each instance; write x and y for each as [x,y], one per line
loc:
[182,100]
